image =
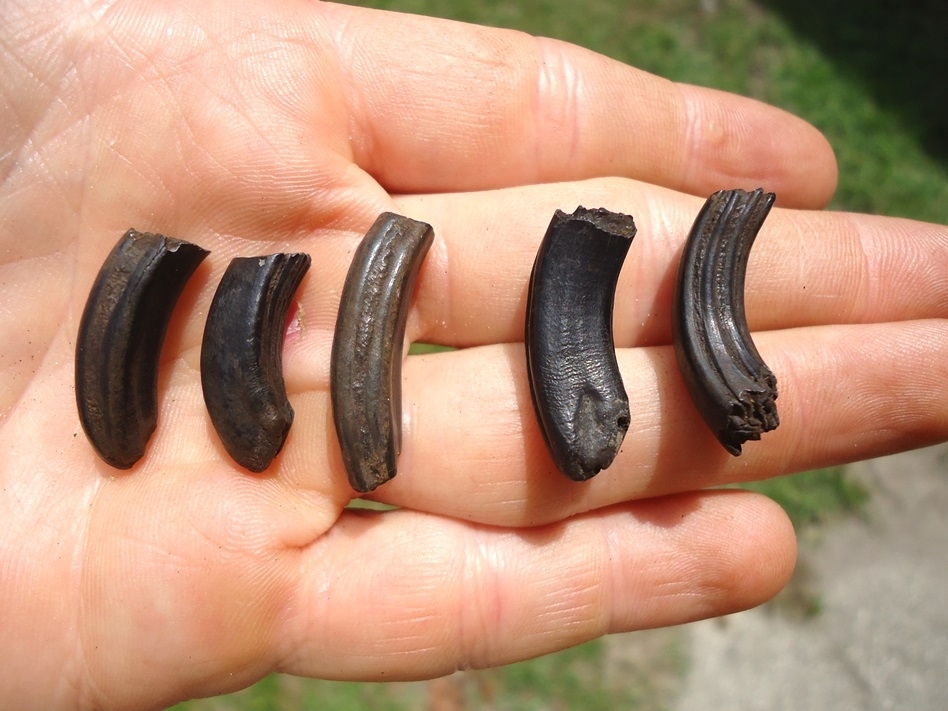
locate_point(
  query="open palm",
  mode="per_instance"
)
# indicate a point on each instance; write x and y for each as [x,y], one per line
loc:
[281,125]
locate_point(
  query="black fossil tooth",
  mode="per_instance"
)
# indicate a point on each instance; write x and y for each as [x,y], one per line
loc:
[366,363]
[730,384]
[577,390]
[119,342]
[242,356]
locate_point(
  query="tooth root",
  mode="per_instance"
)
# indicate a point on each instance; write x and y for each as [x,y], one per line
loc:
[577,390]
[366,361]
[119,342]
[242,356]
[730,384]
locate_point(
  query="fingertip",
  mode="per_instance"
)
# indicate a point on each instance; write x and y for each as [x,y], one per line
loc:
[733,141]
[769,553]
[735,550]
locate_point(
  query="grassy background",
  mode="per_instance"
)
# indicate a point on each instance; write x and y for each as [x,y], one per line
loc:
[873,80]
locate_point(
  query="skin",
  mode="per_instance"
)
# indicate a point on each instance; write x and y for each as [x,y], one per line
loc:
[289,125]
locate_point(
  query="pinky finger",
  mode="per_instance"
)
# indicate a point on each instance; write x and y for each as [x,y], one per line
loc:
[404,595]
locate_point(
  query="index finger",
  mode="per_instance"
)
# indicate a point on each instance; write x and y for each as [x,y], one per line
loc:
[437,106]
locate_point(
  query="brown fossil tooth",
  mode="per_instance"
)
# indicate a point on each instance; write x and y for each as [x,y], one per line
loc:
[366,363]
[120,337]
[577,390]
[730,384]
[242,356]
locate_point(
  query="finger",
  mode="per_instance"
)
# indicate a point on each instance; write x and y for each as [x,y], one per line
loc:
[402,595]
[806,268]
[443,106]
[472,448]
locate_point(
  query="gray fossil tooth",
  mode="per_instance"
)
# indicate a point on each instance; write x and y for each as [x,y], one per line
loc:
[575,383]
[119,342]
[730,384]
[366,363]
[242,356]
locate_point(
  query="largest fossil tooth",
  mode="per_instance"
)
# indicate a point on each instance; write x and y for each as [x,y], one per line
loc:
[242,356]
[366,362]
[119,341]
[731,386]
[575,383]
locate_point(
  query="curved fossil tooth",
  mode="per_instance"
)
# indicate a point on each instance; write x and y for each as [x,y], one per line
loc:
[731,386]
[366,362]
[575,383]
[242,356]
[119,341]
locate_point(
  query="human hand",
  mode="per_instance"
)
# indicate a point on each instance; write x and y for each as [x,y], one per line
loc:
[284,125]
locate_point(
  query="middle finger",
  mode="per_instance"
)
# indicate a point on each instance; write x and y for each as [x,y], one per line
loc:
[806,268]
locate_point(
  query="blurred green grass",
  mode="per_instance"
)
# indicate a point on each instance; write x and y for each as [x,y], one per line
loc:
[814,497]
[871,79]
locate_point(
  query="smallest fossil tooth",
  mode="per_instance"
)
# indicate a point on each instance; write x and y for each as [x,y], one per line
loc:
[242,356]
